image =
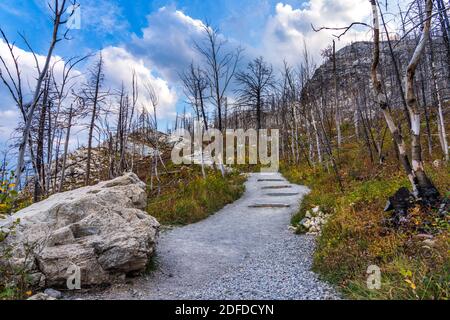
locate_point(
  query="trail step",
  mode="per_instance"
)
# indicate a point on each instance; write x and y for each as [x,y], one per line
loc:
[282,194]
[277,187]
[270,180]
[269,205]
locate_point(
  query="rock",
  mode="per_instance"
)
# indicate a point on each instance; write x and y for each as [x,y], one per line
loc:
[36,279]
[5,230]
[437,163]
[313,222]
[400,201]
[444,207]
[429,242]
[101,230]
[41,296]
[421,236]
[53,293]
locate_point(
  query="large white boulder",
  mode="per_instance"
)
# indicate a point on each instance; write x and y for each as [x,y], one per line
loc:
[101,229]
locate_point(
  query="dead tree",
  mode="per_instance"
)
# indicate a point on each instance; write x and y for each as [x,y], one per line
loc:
[254,86]
[58,9]
[336,99]
[195,83]
[94,98]
[220,66]
[156,156]
[70,115]
[425,187]
[421,184]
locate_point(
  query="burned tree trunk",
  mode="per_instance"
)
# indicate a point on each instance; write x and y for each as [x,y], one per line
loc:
[425,187]
[421,184]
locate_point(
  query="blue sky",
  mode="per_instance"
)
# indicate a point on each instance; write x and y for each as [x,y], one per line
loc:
[238,19]
[155,37]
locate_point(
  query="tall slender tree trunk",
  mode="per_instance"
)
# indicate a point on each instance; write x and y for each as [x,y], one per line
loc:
[93,117]
[382,103]
[440,114]
[336,99]
[37,93]
[66,149]
[426,189]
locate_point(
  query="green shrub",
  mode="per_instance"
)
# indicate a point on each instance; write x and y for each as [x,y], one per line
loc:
[14,280]
[197,199]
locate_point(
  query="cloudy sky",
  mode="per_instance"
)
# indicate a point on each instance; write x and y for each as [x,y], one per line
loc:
[155,38]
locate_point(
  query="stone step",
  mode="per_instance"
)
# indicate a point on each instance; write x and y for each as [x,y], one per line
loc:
[282,194]
[269,205]
[270,180]
[277,187]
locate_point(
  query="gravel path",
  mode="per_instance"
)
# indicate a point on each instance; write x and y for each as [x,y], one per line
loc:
[240,252]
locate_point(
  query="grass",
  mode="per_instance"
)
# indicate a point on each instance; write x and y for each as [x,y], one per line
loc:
[193,199]
[152,264]
[355,236]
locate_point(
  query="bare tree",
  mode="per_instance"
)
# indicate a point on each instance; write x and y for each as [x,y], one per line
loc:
[93,99]
[425,187]
[220,66]
[421,184]
[58,9]
[156,157]
[195,83]
[70,116]
[255,84]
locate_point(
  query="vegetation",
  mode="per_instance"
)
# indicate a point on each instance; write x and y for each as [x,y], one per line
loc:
[14,281]
[10,201]
[357,236]
[7,193]
[193,198]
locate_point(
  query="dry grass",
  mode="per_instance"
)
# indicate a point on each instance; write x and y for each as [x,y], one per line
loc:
[191,198]
[355,237]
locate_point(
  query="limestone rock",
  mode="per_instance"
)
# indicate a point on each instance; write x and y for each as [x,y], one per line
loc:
[41,296]
[53,293]
[437,163]
[314,220]
[102,230]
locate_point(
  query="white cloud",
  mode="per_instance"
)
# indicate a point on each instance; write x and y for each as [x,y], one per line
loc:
[289,28]
[119,65]
[8,122]
[26,63]
[167,41]
[9,117]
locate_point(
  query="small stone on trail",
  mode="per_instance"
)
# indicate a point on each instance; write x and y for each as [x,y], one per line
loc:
[41,296]
[53,293]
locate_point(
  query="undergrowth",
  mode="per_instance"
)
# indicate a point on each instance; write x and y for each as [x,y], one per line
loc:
[355,236]
[192,198]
